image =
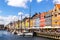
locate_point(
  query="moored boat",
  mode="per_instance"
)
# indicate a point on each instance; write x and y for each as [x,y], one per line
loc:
[30,34]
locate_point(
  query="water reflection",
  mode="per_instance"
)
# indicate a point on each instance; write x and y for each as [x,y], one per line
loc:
[5,35]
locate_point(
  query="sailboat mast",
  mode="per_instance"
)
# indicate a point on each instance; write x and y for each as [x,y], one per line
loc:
[29,15]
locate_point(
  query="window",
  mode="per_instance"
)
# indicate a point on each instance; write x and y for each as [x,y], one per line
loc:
[44,16]
[51,15]
[55,9]
[55,22]
[55,15]
[59,8]
[59,13]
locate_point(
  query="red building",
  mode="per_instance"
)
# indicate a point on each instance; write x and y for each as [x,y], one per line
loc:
[42,19]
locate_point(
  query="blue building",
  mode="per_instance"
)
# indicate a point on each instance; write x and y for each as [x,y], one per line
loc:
[36,20]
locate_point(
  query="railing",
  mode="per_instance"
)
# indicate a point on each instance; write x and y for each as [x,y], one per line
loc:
[53,35]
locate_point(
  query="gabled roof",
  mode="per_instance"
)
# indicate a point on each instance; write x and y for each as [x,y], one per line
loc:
[35,14]
[57,5]
[44,13]
[25,18]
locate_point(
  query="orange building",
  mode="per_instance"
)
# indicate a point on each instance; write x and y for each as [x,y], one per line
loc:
[42,20]
[56,16]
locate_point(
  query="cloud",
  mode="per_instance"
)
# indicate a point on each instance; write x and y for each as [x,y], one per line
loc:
[11,18]
[23,15]
[30,0]
[56,1]
[26,15]
[20,13]
[18,3]
[5,20]
[39,1]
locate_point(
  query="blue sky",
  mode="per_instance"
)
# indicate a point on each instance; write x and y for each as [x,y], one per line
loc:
[12,8]
[42,6]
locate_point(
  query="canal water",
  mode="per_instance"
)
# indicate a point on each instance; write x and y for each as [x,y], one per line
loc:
[5,35]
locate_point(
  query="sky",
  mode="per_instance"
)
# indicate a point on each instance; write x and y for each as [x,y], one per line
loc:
[11,10]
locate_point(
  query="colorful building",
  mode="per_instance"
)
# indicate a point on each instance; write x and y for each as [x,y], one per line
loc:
[27,23]
[23,24]
[31,22]
[10,25]
[18,24]
[56,16]
[48,19]
[36,20]
[42,19]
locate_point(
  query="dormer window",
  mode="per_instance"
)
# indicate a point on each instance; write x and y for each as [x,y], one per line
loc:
[55,22]
[59,8]
[51,15]
[58,13]
[44,16]
[55,9]
[55,15]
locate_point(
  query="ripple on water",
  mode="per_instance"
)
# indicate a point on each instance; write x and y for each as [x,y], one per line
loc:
[4,35]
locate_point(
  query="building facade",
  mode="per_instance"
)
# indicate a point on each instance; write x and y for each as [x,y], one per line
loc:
[42,20]
[56,16]
[36,20]
[27,23]
[48,19]
[31,22]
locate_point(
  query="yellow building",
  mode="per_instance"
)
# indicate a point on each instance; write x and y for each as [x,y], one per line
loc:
[31,22]
[27,23]
[17,24]
[23,25]
[56,16]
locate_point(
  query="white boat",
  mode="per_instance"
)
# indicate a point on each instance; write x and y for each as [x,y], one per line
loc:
[28,34]
[20,34]
[14,32]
